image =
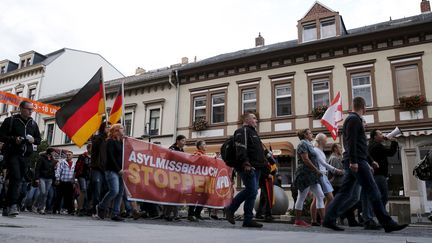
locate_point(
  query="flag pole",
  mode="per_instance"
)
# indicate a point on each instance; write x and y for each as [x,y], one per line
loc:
[123,104]
[104,96]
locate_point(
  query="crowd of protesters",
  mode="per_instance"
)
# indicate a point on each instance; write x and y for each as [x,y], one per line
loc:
[92,185]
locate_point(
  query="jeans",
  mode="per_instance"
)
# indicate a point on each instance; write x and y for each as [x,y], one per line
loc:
[31,196]
[367,212]
[115,192]
[247,195]
[350,191]
[382,184]
[97,180]
[44,188]
[84,185]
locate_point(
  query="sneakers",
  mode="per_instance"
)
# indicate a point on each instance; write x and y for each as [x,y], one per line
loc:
[301,223]
[229,216]
[252,224]
[215,217]
[199,217]
[430,217]
[13,210]
[42,211]
[394,227]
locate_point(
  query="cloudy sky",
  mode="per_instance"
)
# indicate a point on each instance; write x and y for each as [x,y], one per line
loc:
[155,34]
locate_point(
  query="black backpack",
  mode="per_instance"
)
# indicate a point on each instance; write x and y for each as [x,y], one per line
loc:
[228,152]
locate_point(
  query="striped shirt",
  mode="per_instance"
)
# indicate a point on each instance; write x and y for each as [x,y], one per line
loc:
[64,172]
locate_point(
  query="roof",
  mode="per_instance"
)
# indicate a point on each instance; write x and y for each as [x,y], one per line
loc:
[366,30]
[147,78]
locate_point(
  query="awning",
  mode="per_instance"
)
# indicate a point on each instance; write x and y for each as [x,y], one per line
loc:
[279,149]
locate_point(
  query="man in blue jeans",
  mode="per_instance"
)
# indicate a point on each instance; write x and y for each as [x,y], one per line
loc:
[250,159]
[358,172]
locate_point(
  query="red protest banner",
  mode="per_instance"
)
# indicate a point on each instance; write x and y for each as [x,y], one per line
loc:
[39,107]
[159,175]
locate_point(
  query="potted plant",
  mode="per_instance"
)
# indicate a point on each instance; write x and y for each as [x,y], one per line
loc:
[412,103]
[319,111]
[200,124]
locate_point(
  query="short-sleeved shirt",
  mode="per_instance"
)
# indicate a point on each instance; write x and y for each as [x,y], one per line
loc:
[304,176]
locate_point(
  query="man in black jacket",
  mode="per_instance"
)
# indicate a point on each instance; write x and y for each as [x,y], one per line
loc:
[357,174]
[379,154]
[19,133]
[44,174]
[97,165]
[250,159]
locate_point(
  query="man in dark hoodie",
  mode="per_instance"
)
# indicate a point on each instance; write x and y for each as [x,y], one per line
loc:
[379,154]
[44,174]
[251,161]
[19,133]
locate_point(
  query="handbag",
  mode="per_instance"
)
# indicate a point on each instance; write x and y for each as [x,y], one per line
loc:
[423,170]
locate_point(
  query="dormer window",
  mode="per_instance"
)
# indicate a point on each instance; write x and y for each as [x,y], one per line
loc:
[3,69]
[28,62]
[328,28]
[22,63]
[309,32]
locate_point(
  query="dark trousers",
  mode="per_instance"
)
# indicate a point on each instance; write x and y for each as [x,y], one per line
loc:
[65,191]
[382,184]
[17,167]
[97,181]
[264,202]
[195,210]
[350,191]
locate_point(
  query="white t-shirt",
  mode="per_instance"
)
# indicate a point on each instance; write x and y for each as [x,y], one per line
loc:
[322,163]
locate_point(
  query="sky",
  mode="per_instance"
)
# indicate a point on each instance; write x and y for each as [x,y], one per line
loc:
[156,34]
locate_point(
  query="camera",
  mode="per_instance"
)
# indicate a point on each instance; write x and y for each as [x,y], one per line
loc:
[269,156]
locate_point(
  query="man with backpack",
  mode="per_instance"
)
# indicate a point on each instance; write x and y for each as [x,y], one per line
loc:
[249,162]
[18,133]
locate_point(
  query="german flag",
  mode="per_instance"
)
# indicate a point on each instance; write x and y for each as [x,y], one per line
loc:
[82,116]
[117,110]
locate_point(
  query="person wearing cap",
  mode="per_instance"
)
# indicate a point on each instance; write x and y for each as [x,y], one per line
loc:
[19,133]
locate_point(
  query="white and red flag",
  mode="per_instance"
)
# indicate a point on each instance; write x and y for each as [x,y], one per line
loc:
[333,116]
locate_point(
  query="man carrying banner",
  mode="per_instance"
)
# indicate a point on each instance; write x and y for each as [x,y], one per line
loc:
[250,161]
[19,133]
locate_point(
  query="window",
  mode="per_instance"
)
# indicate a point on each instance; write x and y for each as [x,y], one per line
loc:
[200,106]
[218,108]
[28,62]
[361,86]
[309,32]
[283,99]
[32,93]
[67,139]
[154,122]
[50,133]
[3,69]
[249,101]
[128,124]
[18,93]
[328,28]
[22,63]
[407,81]
[320,92]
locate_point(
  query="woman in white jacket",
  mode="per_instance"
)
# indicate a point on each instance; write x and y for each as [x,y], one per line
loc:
[324,167]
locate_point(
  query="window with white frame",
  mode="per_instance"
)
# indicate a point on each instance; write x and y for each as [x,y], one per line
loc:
[67,140]
[18,93]
[200,107]
[32,93]
[128,124]
[328,28]
[154,122]
[283,99]
[309,32]
[249,101]
[50,133]
[320,92]
[218,108]
[407,81]
[5,107]
[361,87]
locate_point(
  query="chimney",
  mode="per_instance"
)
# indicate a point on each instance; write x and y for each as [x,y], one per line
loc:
[184,60]
[139,71]
[425,6]
[259,41]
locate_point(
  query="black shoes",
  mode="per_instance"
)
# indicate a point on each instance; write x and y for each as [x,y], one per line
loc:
[100,212]
[192,218]
[333,227]
[117,218]
[371,225]
[315,224]
[268,218]
[394,227]
[229,216]
[252,224]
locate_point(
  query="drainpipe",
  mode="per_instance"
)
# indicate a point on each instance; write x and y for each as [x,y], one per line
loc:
[177,87]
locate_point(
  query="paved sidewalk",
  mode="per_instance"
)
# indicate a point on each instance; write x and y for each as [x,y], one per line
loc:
[29,227]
